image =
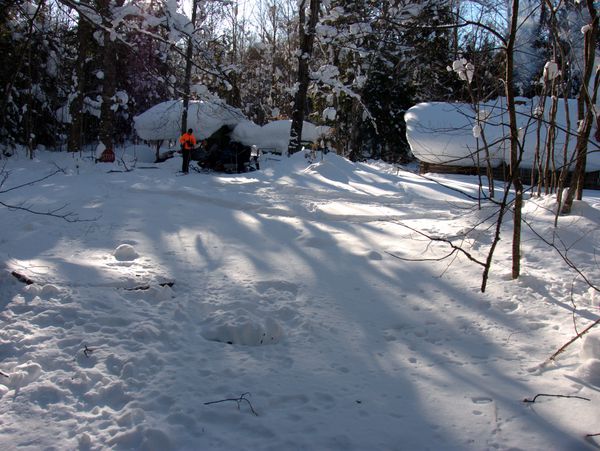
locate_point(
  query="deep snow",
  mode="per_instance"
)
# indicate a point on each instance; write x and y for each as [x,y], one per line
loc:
[284,296]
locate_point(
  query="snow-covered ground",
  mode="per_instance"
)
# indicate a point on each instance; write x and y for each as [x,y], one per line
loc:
[285,298]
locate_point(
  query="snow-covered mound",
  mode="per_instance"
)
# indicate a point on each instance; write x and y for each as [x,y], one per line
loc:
[163,121]
[589,370]
[448,133]
[240,327]
[275,135]
[125,252]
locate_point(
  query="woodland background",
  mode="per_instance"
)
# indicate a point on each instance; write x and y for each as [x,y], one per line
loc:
[76,72]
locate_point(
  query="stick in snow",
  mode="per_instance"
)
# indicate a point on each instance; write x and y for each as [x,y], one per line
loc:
[21,278]
[571,341]
[237,400]
[555,396]
[147,287]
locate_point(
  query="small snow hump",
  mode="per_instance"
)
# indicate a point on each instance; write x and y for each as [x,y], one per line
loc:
[125,252]
[242,328]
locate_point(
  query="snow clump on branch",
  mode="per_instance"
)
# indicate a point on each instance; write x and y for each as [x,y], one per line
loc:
[551,71]
[463,69]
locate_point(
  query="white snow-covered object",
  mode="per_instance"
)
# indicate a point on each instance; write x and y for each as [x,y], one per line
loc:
[443,133]
[589,370]
[274,135]
[125,252]
[241,327]
[163,121]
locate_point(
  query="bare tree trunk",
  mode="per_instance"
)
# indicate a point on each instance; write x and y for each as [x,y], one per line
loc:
[536,167]
[84,37]
[585,113]
[566,163]
[550,163]
[188,70]
[109,68]
[274,25]
[515,176]
[234,97]
[307,37]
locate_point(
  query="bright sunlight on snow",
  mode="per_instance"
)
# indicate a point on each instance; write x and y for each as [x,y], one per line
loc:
[292,308]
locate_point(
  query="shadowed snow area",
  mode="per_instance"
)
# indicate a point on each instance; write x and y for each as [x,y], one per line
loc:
[277,292]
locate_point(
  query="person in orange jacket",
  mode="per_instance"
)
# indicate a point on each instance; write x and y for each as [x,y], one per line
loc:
[188,142]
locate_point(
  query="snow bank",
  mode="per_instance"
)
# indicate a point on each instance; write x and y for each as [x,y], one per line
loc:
[447,133]
[274,135]
[163,121]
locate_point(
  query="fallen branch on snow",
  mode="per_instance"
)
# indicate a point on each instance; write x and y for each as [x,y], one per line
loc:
[147,287]
[555,396]
[22,278]
[237,400]
[571,341]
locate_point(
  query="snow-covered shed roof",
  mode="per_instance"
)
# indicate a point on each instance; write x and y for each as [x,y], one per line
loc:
[450,133]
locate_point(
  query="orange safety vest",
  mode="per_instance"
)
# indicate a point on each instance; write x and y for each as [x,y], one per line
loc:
[188,141]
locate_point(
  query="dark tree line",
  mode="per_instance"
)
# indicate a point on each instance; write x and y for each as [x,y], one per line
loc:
[75,72]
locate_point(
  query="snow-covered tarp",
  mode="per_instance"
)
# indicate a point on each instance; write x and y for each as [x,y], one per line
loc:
[163,121]
[452,133]
[275,135]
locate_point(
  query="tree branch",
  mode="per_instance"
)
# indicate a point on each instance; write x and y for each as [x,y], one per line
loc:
[453,246]
[237,400]
[555,396]
[68,216]
[552,358]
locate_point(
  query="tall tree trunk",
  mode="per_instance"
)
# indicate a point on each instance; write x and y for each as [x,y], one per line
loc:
[307,37]
[84,37]
[109,68]
[585,111]
[187,82]
[274,24]
[515,176]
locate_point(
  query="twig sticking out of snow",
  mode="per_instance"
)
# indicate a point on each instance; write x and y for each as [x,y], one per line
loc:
[147,287]
[552,358]
[21,278]
[4,374]
[237,400]
[555,396]
[561,396]
[88,351]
